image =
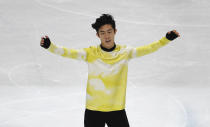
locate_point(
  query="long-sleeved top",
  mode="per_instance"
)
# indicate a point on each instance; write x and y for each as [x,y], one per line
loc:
[107,71]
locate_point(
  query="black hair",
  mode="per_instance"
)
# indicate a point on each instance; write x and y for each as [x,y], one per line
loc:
[103,20]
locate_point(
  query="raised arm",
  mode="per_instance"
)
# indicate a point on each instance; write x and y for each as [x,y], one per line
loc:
[154,46]
[78,54]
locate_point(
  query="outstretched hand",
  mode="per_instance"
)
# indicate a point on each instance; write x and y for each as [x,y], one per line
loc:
[45,42]
[171,35]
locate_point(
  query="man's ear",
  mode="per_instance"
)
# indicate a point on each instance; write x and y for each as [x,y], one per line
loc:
[115,31]
[97,34]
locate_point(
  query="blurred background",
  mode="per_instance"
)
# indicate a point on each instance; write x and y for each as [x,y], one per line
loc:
[168,88]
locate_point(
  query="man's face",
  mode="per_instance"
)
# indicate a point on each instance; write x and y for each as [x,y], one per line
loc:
[106,34]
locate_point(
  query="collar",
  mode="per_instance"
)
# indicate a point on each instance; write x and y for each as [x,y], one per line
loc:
[108,50]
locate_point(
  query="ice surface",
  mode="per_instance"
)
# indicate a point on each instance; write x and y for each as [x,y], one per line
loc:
[169,88]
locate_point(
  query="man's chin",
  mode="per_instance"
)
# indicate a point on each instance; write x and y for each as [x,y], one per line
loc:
[107,42]
[109,46]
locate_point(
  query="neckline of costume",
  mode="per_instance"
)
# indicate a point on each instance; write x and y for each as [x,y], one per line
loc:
[108,50]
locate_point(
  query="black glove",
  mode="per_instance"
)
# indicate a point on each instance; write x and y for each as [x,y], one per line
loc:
[47,43]
[171,36]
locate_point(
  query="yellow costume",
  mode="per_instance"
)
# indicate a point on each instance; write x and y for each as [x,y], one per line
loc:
[107,72]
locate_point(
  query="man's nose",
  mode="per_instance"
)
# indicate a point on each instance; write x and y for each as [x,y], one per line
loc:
[106,36]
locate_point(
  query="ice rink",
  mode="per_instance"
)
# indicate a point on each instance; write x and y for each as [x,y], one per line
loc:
[168,88]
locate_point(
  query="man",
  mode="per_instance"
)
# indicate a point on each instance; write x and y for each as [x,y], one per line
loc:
[107,72]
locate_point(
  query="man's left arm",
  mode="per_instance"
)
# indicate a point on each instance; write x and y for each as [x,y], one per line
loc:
[147,49]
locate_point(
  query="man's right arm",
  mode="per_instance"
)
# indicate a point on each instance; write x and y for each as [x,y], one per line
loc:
[78,54]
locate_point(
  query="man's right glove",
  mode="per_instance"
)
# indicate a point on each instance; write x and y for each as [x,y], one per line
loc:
[46,43]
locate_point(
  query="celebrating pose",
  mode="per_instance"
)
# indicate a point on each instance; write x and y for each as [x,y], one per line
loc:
[107,72]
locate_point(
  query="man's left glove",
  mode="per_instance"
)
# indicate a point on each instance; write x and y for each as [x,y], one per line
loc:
[172,35]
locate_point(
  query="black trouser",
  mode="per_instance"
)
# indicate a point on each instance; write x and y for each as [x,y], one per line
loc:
[112,119]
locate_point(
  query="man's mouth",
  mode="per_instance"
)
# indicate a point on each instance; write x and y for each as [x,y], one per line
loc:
[108,41]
